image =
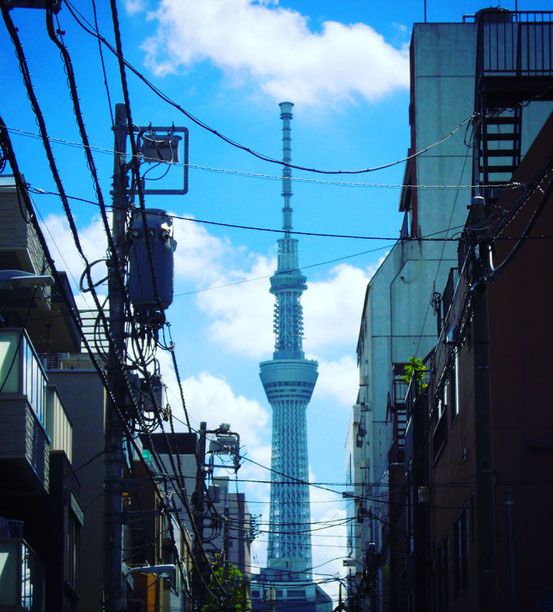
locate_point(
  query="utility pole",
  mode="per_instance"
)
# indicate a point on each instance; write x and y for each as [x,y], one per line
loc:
[226,560]
[226,442]
[113,512]
[157,147]
[200,578]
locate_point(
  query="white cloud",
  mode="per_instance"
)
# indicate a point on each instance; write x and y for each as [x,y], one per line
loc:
[332,308]
[212,399]
[62,246]
[338,379]
[329,544]
[242,313]
[199,255]
[275,48]
[134,6]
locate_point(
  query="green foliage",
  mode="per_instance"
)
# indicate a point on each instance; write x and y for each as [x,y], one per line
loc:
[415,368]
[232,580]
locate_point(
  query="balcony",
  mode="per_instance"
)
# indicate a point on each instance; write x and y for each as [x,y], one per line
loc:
[24,443]
[21,577]
[20,246]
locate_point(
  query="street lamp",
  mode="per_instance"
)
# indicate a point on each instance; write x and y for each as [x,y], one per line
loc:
[163,571]
[14,279]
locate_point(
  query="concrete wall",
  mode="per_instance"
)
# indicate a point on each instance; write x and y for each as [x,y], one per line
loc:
[83,397]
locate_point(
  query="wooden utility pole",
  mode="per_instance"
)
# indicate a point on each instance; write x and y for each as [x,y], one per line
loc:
[200,575]
[113,511]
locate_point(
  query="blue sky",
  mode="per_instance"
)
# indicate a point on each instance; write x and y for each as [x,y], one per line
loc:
[229,63]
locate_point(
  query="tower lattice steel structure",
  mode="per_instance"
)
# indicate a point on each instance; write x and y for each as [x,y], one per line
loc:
[288,380]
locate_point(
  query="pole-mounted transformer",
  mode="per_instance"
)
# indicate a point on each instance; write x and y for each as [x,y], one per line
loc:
[151,262]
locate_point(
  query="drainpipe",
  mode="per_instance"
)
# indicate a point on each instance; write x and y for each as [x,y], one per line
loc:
[511,545]
[485,476]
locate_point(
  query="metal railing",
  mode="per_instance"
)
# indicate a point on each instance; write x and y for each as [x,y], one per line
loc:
[449,290]
[58,425]
[515,43]
[21,370]
[22,577]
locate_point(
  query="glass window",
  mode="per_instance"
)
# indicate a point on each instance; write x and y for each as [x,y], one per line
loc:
[72,551]
[442,575]
[33,380]
[461,551]
[453,389]
[10,361]
[8,574]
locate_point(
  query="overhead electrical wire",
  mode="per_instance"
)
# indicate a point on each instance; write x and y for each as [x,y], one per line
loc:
[38,114]
[270,177]
[429,237]
[117,52]
[99,307]
[21,185]
[332,172]
[139,187]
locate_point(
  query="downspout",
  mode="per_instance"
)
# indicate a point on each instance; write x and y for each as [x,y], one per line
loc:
[511,548]
[485,475]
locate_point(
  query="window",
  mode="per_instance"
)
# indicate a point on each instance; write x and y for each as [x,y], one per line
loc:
[452,398]
[442,401]
[72,552]
[410,515]
[461,551]
[21,371]
[442,575]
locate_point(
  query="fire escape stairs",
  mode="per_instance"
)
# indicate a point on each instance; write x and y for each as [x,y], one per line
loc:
[400,423]
[500,146]
[514,66]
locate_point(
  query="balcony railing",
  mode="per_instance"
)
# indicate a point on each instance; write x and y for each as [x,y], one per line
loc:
[58,425]
[24,443]
[21,371]
[517,43]
[21,577]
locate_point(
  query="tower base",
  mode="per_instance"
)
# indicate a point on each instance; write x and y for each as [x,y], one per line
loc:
[270,592]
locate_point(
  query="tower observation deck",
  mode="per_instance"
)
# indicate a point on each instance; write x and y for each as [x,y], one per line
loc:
[288,380]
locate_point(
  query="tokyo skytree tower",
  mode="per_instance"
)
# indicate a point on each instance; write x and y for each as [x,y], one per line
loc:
[288,380]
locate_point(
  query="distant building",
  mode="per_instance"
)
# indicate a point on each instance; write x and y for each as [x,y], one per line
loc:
[235,540]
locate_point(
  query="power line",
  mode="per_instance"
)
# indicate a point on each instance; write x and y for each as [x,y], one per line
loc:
[117,52]
[271,177]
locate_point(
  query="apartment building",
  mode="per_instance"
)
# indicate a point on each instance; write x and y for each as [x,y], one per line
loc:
[485,85]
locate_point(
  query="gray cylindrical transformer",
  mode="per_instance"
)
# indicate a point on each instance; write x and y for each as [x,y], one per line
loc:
[157,231]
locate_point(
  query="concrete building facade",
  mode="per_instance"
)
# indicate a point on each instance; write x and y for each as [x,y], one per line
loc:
[464,133]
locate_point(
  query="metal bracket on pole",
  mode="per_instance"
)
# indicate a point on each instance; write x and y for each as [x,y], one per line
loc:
[160,144]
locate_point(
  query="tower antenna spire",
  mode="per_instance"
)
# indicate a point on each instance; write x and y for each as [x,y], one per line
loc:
[286,116]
